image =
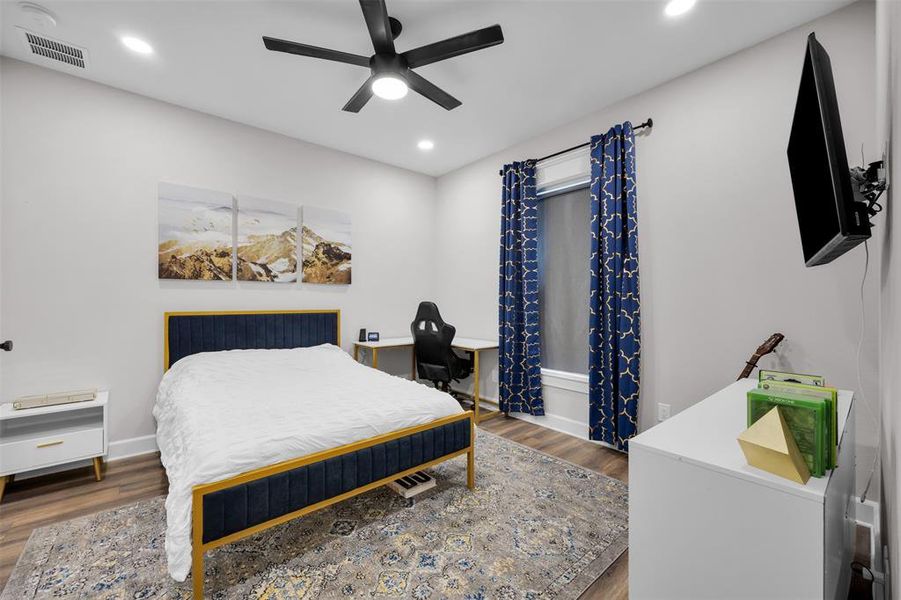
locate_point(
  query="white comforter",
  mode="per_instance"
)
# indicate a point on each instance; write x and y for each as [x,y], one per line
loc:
[222,413]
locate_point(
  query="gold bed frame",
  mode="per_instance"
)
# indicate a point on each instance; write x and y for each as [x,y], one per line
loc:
[198,548]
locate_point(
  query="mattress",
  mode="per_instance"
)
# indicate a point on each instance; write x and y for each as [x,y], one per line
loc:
[220,414]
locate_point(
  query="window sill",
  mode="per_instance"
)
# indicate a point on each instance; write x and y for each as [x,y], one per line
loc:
[565,380]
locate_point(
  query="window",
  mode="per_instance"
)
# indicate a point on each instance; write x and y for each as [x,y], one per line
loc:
[564,245]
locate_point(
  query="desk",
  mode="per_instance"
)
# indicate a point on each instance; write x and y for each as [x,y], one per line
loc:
[473,345]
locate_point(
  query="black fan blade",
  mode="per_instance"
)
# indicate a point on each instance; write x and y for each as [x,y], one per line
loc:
[376,14]
[359,99]
[431,91]
[278,45]
[455,46]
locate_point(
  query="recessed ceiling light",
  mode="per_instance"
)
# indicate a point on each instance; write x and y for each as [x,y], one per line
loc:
[425,144]
[389,87]
[137,45]
[674,8]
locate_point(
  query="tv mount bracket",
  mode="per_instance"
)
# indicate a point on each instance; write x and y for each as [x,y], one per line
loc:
[870,183]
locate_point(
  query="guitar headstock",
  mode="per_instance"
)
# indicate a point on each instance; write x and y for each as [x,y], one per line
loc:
[763,349]
[770,344]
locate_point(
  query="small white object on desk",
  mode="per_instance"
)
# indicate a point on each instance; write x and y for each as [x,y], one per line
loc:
[705,524]
[38,438]
[473,345]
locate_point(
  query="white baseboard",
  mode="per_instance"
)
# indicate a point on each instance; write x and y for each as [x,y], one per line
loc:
[559,423]
[867,514]
[132,447]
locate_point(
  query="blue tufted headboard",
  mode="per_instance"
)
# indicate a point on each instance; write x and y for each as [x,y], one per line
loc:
[188,333]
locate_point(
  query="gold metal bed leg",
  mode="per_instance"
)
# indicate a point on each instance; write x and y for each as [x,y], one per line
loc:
[471,457]
[197,546]
[197,574]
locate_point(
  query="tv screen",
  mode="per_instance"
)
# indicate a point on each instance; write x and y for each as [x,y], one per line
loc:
[831,220]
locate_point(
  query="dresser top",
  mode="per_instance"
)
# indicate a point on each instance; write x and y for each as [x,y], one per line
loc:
[706,435]
[8,412]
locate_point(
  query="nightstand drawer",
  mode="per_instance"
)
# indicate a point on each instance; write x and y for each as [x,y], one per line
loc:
[25,455]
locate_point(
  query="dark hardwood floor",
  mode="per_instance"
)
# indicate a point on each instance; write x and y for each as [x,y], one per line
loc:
[43,500]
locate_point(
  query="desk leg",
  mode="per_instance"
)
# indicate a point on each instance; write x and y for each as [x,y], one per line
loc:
[475,384]
[3,481]
[413,352]
[375,358]
[356,353]
[98,468]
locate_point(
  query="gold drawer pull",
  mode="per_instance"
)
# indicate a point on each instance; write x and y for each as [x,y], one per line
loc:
[47,444]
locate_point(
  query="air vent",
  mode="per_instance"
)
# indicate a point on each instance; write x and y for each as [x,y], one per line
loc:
[55,50]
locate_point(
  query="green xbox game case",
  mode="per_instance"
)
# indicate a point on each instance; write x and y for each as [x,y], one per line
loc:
[804,415]
[829,394]
[817,380]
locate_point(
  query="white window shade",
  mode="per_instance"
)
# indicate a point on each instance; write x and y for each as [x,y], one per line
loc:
[564,245]
[563,172]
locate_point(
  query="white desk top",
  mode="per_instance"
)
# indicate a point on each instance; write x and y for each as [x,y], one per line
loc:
[464,343]
[706,435]
[387,343]
[8,412]
[460,343]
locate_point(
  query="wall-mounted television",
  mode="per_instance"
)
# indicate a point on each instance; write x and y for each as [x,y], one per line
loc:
[831,218]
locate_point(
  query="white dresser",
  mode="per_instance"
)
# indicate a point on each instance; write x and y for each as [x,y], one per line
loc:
[704,524]
[38,438]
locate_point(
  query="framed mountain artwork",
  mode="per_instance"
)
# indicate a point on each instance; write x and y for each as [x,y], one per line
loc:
[195,233]
[326,244]
[267,240]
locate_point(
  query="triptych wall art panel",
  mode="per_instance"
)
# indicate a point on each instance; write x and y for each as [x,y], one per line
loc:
[196,233]
[210,236]
[326,246]
[267,240]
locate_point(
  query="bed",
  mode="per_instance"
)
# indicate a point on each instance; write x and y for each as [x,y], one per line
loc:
[262,418]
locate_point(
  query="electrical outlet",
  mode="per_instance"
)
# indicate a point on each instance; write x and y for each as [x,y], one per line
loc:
[663,412]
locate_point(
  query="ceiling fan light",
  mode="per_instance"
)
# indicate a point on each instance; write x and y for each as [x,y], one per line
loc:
[389,87]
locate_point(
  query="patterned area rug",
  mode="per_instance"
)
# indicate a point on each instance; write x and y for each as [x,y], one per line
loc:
[535,527]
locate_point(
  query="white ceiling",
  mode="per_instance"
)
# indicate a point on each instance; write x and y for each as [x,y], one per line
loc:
[561,60]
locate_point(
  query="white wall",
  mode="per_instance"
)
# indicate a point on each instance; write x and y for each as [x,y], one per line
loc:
[80,294]
[888,115]
[720,255]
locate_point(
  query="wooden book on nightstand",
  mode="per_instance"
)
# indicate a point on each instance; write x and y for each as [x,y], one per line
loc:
[49,436]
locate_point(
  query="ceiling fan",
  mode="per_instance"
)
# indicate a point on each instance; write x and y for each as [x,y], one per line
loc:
[392,73]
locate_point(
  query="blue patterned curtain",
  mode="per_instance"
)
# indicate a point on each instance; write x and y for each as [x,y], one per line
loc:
[614,335]
[519,352]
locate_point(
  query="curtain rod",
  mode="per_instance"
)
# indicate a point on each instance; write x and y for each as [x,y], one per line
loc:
[649,124]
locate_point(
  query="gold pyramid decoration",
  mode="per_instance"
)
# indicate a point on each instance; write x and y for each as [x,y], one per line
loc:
[769,444]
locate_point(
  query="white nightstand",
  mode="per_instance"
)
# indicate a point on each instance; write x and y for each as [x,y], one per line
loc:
[37,438]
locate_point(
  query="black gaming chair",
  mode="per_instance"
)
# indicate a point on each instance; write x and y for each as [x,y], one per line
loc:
[436,361]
